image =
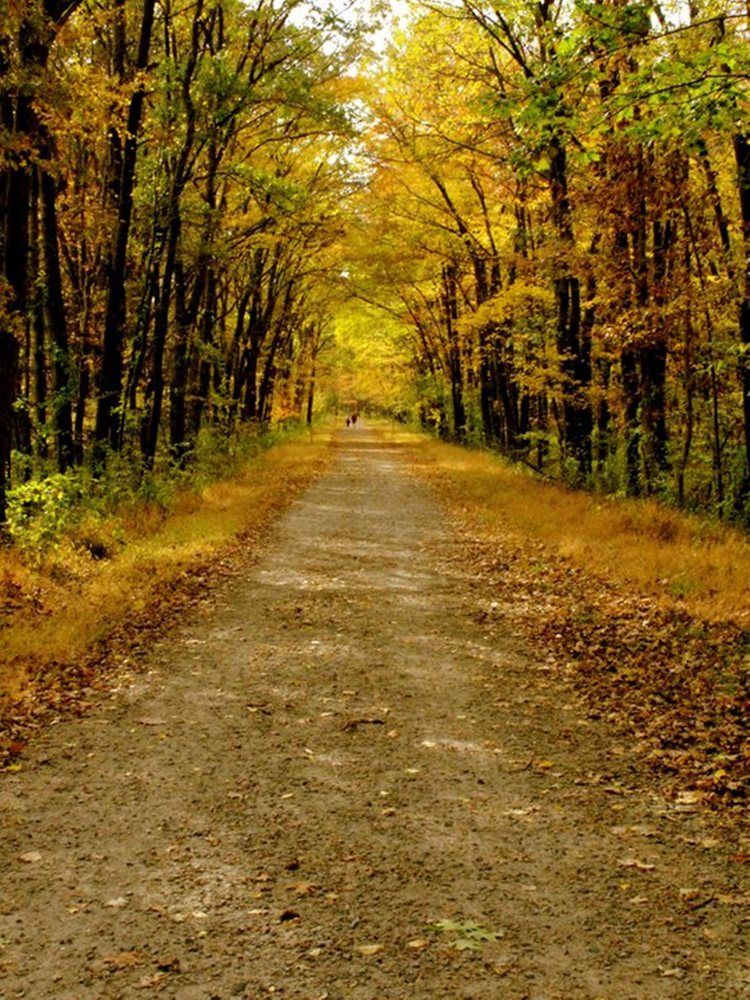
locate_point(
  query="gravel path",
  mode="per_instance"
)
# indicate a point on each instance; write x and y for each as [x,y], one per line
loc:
[332,758]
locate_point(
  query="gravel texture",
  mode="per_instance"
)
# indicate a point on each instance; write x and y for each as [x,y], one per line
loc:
[335,782]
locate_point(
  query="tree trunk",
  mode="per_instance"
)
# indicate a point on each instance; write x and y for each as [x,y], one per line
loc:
[450,315]
[742,158]
[186,311]
[310,395]
[155,388]
[632,393]
[573,346]
[38,324]
[110,376]
[16,262]
[203,387]
[58,326]
[250,405]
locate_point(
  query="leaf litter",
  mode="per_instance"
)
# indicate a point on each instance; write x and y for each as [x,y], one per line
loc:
[677,685]
[466,935]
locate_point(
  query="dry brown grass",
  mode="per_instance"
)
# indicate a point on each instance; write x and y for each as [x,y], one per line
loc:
[57,609]
[682,560]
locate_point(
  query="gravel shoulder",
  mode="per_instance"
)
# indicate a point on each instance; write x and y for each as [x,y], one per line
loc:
[335,782]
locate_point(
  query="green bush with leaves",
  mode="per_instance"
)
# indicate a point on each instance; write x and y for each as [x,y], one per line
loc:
[40,511]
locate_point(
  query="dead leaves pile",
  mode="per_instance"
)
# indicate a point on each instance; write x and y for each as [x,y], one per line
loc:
[124,960]
[677,686]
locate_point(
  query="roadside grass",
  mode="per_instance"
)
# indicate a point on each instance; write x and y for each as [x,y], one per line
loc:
[680,559]
[58,604]
[644,609]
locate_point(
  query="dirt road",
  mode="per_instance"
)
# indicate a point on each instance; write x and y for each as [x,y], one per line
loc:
[330,761]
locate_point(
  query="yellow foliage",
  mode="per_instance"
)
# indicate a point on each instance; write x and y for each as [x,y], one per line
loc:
[506,305]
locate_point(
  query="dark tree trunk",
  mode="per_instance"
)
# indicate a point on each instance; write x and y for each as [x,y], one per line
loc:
[742,157]
[573,344]
[654,360]
[632,392]
[139,349]
[250,405]
[204,370]
[450,315]
[603,417]
[16,263]
[186,312]
[37,322]
[79,417]
[58,326]
[111,372]
[155,387]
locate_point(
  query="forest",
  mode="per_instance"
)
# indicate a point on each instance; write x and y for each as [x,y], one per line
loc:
[374,499]
[521,225]
[171,179]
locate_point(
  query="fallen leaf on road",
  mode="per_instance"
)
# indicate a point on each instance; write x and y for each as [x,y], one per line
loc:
[260,706]
[689,797]
[688,894]
[470,936]
[123,960]
[641,866]
[466,944]
[502,968]
[305,888]
[149,982]
[614,790]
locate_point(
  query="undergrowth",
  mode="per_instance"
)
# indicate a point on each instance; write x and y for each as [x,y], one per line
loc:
[697,563]
[47,508]
[117,548]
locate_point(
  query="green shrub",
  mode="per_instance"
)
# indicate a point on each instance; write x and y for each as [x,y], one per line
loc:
[40,511]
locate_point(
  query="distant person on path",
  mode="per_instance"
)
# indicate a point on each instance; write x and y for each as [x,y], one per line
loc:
[348,421]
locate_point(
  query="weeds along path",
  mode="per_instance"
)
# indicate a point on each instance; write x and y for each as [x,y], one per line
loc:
[332,784]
